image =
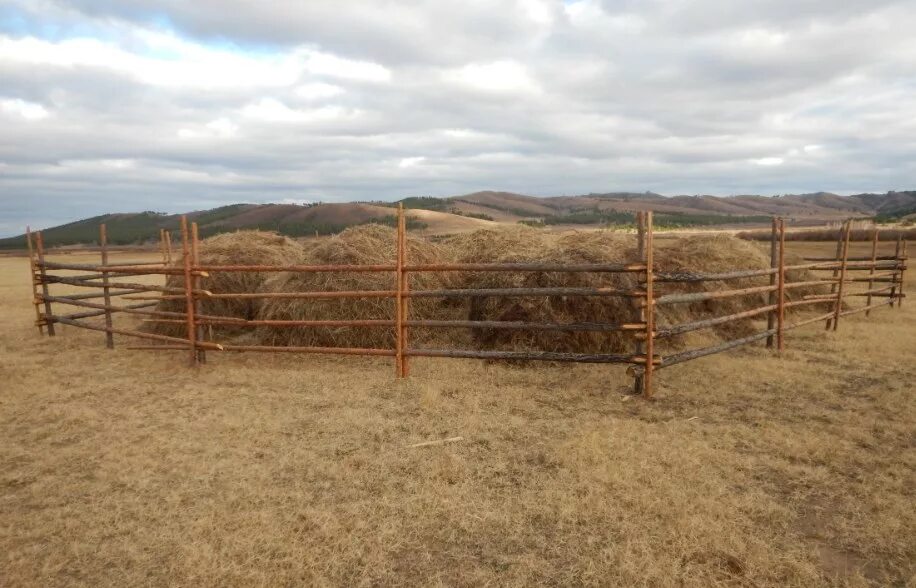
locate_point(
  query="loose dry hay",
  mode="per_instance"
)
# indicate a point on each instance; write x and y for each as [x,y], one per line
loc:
[363,245]
[239,248]
[716,254]
[534,246]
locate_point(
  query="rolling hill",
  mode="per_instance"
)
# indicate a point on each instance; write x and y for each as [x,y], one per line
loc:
[482,209]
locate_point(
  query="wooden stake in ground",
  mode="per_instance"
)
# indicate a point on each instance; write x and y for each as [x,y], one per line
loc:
[650,308]
[839,298]
[40,247]
[900,291]
[781,282]
[774,262]
[106,291]
[35,301]
[189,291]
[874,258]
[836,272]
[168,247]
[404,287]
[398,301]
[195,260]
[640,348]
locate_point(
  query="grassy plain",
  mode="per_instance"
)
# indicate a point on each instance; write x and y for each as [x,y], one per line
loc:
[750,469]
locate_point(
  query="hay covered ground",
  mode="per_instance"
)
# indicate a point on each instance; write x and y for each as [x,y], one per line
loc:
[124,468]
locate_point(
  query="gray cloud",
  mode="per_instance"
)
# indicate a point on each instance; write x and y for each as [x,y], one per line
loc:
[179,105]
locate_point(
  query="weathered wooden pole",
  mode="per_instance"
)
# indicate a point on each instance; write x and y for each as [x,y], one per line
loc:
[168,246]
[405,299]
[162,246]
[781,283]
[841,286]
[32,269]
[648,257]
[902,271]
[874,258]
[399,300]
[40,249]
[836,272]
[774,264]
[188,292]
[639,347]
[195,260]
[103,246]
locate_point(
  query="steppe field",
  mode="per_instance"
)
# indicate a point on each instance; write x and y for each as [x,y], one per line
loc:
[126,468]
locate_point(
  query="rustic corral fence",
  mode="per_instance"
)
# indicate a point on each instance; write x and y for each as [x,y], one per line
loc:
[884,280]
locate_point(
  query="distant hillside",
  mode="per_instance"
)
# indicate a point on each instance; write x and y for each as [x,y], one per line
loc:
[482,209]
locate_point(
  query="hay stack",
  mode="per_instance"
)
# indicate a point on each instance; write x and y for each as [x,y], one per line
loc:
[534,246]
[719,253]
[365,245]
[239,248]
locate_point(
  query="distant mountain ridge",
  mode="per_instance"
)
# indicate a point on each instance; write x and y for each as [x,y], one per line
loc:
[482,209]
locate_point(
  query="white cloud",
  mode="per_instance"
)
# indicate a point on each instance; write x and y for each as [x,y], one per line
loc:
[769,161]
[318,91]
[23,109]
[411,162]
[273,111]
[497,76]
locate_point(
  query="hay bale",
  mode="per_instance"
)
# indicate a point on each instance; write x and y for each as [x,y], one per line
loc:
[366,245]
[533,246]
[238,248]
[719,253]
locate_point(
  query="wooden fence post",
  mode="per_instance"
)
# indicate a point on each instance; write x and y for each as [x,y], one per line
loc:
[168,247]
[836,272]
[162,246]
[103,245]
[774,263]
[195,261]
[640,348]
[399,299]
[188,292]
[839,297]
[32,269]
[781,282]
[40,247]
[648,257]
[902,272]
[871,273]
[405,300]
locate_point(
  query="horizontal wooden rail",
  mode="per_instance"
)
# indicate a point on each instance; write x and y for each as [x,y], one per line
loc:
[808,321]
[701,296]
[298,295]
[673,330]
[297,268]
[89,295]
[868,258]
[526,267]
[152,268]
[327,350]
[528,355]
[713,349]
[686,276]
[123,285]
[508,292]
[519,325]
[95,313]
[889,302]
[138,334]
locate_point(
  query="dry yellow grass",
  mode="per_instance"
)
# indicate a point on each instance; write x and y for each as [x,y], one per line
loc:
[119,468]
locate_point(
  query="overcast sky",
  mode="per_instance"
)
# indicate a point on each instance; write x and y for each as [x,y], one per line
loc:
[177,105]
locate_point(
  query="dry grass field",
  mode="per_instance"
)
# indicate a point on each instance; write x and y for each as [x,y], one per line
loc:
[125,468]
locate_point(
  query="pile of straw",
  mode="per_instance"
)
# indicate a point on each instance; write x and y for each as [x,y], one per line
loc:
[362,245]
[720,253]
[534,246]
[239,248]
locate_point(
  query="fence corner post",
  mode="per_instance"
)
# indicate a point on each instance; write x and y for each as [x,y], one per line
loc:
[195,261]
[648,257]
[871,272]
[40,248]
[399,309]
[103,246]
[36,302]
[774,263]
[781,286]
[902,258]
[188,292]
[838,308]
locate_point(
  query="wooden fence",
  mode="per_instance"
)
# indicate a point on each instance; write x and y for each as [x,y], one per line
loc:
[183,284]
